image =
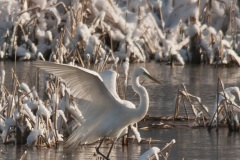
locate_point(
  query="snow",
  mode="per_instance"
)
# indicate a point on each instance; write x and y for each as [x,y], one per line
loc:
[152,151]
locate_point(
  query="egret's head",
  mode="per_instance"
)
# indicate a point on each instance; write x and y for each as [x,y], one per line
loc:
[142,71]
[153,79]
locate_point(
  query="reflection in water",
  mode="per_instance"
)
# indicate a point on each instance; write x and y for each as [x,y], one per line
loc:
[190,143]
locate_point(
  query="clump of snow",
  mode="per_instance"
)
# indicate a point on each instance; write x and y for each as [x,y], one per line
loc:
[149,153]
[33,136]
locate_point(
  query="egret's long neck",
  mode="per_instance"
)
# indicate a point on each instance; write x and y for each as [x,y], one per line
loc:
[144,100]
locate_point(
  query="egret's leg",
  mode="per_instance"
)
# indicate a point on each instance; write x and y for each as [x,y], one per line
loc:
[111,147]
[98,151]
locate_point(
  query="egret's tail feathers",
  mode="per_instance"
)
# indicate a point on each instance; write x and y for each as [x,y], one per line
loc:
[75,138]
[80,136]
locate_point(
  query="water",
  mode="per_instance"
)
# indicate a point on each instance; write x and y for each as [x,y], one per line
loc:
[190,144]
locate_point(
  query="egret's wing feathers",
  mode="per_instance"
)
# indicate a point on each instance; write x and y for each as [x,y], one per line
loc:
[83,83]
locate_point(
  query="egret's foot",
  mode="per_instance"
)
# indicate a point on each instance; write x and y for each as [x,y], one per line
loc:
[100,153]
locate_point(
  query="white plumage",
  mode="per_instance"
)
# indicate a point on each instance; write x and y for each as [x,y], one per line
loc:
[104,114]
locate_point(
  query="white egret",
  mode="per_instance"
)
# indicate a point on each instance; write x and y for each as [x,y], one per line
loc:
[104,114]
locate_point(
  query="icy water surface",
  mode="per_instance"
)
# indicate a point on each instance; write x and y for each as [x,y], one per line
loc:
[190,144]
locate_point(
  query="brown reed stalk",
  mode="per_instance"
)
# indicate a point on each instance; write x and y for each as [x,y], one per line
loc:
[62,4]
[111,43]
[30,9]
[15,85]
[161,17]
[56,107]
[75,47]
[23,155]
[5,89]
[105,62]
[1,116]
[54,133]
[177,105]
[96,56]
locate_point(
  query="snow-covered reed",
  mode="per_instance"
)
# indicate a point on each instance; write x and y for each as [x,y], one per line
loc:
[61,31]
[24,110]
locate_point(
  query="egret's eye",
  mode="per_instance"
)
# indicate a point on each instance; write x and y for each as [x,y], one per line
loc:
[145,74]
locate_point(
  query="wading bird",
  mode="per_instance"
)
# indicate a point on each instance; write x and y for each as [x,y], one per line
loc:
[104,114]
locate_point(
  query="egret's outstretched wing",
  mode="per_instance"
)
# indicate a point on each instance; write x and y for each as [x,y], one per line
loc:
[96,102]
[83,83]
